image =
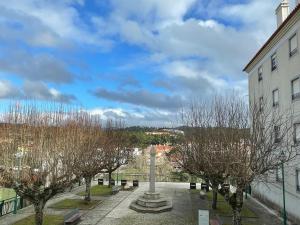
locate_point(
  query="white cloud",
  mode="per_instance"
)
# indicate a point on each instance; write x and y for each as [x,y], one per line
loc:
[52,23]
[8,90]
[133,117]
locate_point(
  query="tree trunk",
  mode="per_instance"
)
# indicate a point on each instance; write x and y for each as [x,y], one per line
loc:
[215,196]
[237,218]
[88,181]
[109,178]
[39,212]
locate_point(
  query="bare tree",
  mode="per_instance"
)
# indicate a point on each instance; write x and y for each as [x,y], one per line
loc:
[257,151]
[37,153]
[89,159]
[115,146]
[220,145]
[205,143]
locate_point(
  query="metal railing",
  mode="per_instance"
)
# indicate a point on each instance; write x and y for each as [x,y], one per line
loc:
[11,205]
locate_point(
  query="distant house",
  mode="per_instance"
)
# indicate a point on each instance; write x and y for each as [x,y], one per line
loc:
[274,79]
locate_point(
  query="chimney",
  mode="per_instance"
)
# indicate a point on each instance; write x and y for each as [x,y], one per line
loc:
[283,11]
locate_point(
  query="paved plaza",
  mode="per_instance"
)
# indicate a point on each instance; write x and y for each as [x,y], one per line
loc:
[114,210]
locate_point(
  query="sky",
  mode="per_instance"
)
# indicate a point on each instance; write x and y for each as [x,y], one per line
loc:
[136,60]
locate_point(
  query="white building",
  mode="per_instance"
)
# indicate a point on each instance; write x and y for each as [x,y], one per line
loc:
[274,77]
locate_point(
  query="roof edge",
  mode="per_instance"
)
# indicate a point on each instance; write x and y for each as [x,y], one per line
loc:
[273,36]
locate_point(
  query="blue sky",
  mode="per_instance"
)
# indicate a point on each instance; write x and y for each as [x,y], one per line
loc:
[139,60]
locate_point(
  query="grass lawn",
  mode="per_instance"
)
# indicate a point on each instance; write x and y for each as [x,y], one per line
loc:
[210,197]
[194,191]
[48,220]
[98,190]
[74,204]
[6,193]
[224,209]
[244,223]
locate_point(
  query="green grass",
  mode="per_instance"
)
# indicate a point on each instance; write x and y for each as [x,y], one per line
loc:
[243,223]
[194,191]
[224,209]
[48,220]
[210,197]
[74,204]
[98,190]
[6,193]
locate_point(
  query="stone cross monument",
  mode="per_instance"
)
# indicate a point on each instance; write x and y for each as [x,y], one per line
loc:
[152,170]
[151,201]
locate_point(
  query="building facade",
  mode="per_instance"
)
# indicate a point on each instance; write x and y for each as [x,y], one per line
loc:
[274,79]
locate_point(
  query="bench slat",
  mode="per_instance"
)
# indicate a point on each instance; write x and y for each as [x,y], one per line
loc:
[73,218]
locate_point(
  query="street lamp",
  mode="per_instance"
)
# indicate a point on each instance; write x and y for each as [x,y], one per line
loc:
[18,156]
[282,158]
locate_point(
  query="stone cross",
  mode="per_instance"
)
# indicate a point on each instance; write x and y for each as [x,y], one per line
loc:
[152,169]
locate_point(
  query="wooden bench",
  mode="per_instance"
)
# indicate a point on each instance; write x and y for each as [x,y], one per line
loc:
[72,217]
[115,190]
[214,222]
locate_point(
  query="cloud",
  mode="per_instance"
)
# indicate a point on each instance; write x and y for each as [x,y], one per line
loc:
[35,67]
[141,98]
[45,23]
[39,90]
[168,11]
[133,117]
[8,90]
[33,90]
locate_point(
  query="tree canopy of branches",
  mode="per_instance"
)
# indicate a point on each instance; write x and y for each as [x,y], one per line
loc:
[219,144]
[89,156]
[115,147]
[37,153]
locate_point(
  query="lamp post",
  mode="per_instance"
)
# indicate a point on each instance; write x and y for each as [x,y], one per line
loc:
[282,157]
[18,156]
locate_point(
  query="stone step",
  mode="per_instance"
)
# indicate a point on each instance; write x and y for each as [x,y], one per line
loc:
[152,203]
[142,209]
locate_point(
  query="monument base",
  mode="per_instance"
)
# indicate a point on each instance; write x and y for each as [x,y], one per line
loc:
[151,203]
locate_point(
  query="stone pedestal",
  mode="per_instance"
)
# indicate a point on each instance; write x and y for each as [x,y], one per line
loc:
[151,202]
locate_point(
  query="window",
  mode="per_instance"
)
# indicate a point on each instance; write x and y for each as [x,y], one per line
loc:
[260,72]
[276,134]
[261,104]
[298,179]
[297,133]
[275,97]
[274,62]
[293,44]
[295,88]
[279,174]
